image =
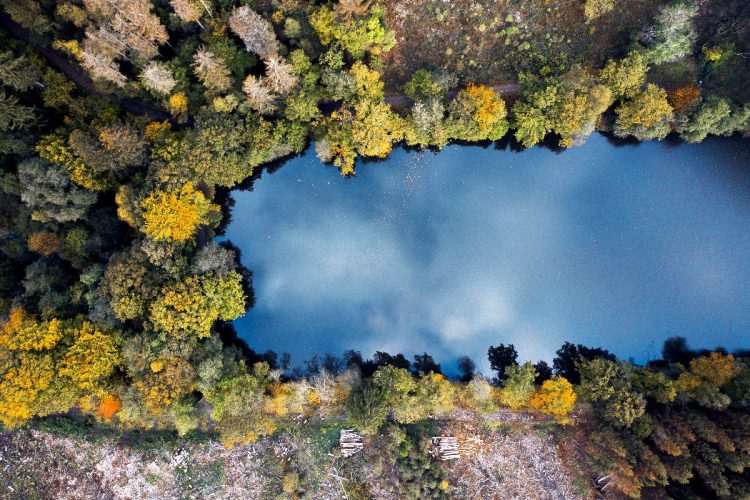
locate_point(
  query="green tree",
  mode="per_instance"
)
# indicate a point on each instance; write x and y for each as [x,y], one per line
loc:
[518,386]
[47,190]
[646,116]
[366,408]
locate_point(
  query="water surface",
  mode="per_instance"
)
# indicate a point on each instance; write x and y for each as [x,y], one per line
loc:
[450,252]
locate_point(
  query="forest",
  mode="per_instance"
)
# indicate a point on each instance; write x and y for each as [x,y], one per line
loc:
[124,125]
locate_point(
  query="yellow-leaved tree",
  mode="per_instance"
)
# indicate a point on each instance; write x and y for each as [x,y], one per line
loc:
[50,366]
[556,397]
[176,215]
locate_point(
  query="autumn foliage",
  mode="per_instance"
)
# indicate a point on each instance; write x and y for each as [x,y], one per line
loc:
[175,215]
[109,407]
[684,98]
[555,397]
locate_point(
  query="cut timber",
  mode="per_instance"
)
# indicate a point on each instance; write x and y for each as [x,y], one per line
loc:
[450,448]
[350,442]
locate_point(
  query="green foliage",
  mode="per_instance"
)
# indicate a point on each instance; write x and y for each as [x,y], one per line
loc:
[518,385]
[366,408]
[358,35]
[673,35]
[646,116]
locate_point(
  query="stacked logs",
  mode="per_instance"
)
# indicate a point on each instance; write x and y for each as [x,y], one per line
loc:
[350,442]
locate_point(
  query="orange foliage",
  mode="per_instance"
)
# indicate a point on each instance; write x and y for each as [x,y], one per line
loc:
[489,106]
[43,243]
[716,368]
[108,407]
[684,98]
[555,397]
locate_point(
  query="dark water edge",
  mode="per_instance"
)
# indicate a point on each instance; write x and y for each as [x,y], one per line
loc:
[700,220]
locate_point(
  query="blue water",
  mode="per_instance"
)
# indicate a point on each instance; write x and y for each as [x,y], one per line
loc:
[451,252]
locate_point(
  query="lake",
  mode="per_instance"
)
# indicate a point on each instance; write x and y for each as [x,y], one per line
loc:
[610,245]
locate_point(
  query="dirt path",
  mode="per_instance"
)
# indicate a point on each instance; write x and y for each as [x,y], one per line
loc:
[75,73]
[400,101]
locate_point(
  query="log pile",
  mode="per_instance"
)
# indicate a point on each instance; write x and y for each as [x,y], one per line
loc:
[350,442]
[452,448]
[446,447]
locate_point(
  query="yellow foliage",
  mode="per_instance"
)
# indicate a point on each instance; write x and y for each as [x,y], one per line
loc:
[716,368]
[175,215]
[92,357]
[489,107]
[712,53]
[178,103]
[20,385]
[155,130]
[53,149]
[555,397]
[70,46]
[157,366]
[21,332]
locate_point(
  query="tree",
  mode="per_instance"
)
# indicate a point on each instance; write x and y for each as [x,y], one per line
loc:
[424,363]
[501,357]
[47,190]
[192,305]
[14,116]
[280,75]
[530,123]
[707,118]
[175,215]
[673,35]
[544,372]
[569,356]
[477,113]
[376,128]
[556,397]
[518,385]
[605,384]
[716,368]
[626,76]
[366,408]
[425,125]
[129,23]
[685,98]
[212,71]
[466,367]
[18,73]
[646,116]
[188,10]
[92,358]
[43,243]
[676,350]
[259,96]
[357,35]
[595,8]
[157,78]
[254,31]
[425,85]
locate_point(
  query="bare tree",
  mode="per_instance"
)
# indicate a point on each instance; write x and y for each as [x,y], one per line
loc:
[158,78]
[259,97]
[350,8]
[188,10]
[211,71]
[256,32]
[280,75]
[131,22]
[100,49]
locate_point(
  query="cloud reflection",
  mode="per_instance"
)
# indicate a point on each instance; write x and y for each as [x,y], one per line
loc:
[449,253]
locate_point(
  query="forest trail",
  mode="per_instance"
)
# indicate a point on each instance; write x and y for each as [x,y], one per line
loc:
[400,101]
[59,61]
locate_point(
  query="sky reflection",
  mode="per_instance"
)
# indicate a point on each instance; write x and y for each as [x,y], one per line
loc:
[618,247]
